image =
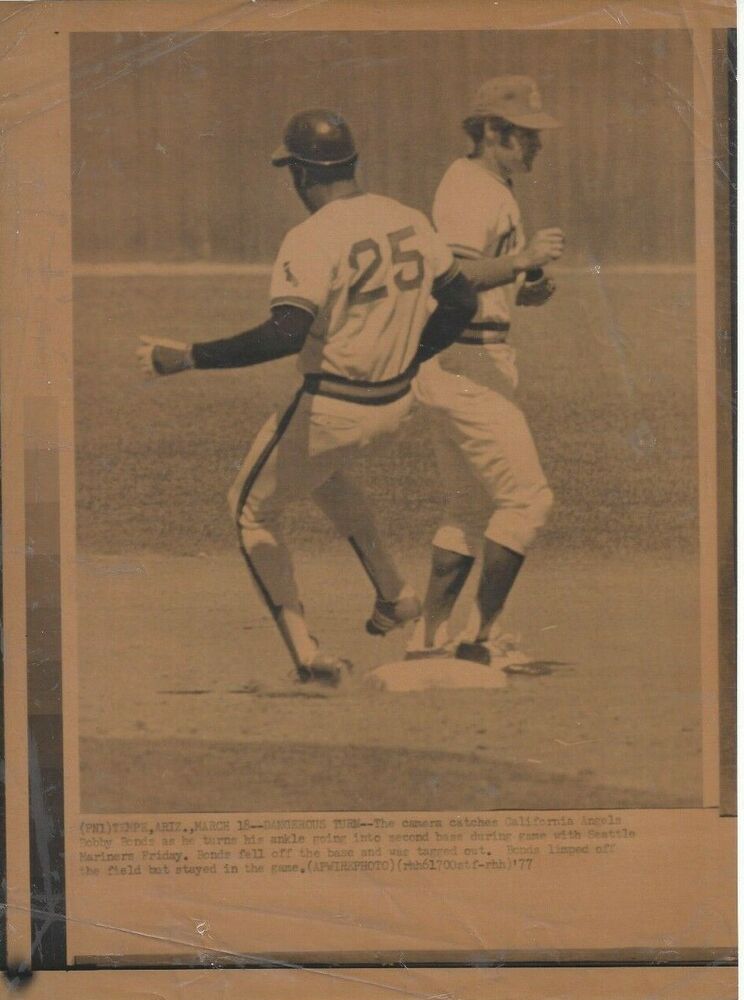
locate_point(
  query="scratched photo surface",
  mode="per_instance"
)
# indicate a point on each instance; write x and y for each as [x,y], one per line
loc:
[188,692]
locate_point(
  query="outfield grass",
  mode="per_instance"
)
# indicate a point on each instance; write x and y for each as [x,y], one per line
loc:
[607,381]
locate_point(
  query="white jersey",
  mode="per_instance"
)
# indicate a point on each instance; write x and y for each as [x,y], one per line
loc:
[364,267]
[477,215]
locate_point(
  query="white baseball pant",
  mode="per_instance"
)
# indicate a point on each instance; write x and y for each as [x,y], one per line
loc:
[304,451]
[484,450]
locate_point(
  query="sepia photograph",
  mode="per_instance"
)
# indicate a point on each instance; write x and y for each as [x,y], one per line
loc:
[386,420]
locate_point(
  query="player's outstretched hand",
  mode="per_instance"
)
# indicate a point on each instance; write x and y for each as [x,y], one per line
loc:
[545,246]
[163,357]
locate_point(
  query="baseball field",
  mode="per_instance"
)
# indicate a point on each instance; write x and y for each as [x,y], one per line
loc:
[186,699]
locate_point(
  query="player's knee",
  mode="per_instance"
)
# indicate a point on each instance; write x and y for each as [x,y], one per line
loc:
[254,529]
[516,526]
[237,498]
[446,561]
[540,506]
[459,540]
[244,508]
[246,514]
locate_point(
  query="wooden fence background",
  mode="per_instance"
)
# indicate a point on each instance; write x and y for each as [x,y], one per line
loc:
[172,134]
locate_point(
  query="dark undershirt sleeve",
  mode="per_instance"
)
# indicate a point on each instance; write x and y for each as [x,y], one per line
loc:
[456,305]
[279,336]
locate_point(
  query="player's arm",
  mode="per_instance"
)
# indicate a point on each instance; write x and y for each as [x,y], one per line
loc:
[279,336]
[457,303]
[466,224]
[491,272]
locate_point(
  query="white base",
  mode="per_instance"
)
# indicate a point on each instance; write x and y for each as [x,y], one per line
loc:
[433,673]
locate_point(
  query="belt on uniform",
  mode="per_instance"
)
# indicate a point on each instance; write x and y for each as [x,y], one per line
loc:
[493,332]
[367,393]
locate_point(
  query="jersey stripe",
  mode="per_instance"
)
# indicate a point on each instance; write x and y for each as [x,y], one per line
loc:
[460,250]
[503,326]
[248,485]
[296,300]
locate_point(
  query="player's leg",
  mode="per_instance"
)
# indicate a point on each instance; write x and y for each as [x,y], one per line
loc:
[348,508]
[455,545]
[502,452]
[449,573]
[500,568]
[458,538]
[288,460]
[256,503]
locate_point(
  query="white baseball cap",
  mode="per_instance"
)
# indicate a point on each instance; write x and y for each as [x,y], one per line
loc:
[516,99]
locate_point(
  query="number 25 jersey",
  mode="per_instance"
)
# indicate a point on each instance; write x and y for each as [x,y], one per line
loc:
[364,267]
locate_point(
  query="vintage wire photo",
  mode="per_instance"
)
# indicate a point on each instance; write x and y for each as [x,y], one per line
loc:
[378,511]
[355,503]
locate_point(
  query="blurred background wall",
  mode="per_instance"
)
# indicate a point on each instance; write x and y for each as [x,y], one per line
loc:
[171,134]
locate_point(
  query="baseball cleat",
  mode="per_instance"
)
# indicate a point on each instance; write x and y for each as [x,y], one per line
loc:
[474,652]
[324,669]
[503,653]
[389,615]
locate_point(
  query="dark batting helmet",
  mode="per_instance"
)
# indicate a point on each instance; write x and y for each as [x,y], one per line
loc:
[317,137]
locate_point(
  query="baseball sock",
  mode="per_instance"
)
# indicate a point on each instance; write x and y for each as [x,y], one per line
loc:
[449,571]
[378,565]
[271,567]
[500,569]
[348,509]
[293,627]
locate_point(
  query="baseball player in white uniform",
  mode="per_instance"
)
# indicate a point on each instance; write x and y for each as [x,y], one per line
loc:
[497,495]
[351,293]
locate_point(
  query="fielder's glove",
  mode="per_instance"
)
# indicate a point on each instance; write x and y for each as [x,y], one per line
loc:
[536,289]
[164,357]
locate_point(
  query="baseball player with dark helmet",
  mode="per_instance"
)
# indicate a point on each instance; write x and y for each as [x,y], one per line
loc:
[351,293]
[497,495]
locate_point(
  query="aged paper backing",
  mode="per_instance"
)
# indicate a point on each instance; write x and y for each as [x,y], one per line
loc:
[661,893]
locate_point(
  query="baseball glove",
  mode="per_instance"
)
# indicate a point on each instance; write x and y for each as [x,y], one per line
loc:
[536,289]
